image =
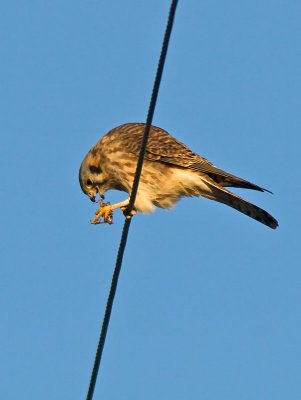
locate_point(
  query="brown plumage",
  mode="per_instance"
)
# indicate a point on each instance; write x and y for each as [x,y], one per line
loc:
[170,171]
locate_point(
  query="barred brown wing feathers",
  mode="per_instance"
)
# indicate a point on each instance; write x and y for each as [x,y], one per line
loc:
[160,143]
[163,147]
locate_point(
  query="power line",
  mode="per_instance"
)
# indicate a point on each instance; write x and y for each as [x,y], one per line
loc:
[153,101]
[127,222]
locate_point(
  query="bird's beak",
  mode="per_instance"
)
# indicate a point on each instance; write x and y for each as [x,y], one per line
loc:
[92,195]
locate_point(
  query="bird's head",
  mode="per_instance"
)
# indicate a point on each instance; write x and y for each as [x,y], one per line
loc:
[91,178]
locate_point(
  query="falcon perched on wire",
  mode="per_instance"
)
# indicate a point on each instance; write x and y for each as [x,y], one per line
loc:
[170,171]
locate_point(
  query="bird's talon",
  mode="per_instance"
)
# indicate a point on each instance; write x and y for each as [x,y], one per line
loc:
[104,211]
[94,222]
[126,213]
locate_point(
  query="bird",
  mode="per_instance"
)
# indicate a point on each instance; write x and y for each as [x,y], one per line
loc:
[170,171]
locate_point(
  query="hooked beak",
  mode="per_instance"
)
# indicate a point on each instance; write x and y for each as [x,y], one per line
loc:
[92,195]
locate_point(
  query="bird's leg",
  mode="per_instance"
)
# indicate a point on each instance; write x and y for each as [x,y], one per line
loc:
[106,211]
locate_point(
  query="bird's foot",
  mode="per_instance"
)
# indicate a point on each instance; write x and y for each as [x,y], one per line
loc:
[126,213]
[105,211]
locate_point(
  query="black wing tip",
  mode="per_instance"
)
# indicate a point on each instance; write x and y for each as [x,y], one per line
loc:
[266,190]
[253,186]
[256,187]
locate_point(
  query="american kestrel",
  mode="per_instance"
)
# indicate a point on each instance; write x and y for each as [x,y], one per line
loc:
[170,171]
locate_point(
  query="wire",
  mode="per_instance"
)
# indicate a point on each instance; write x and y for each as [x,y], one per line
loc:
[127,222]
[108,311]
[153,102]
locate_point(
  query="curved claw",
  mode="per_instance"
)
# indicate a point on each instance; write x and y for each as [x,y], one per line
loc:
[104,211]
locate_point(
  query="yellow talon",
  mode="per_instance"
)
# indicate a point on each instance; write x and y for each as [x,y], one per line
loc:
[104,211]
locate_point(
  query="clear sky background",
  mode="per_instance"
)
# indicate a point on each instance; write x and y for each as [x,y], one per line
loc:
[208,302]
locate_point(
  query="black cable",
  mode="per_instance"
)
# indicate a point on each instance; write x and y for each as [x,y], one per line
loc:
[127,222]
[153,102]
[108,311]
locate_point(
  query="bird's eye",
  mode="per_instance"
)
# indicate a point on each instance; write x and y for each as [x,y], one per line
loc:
[89,183]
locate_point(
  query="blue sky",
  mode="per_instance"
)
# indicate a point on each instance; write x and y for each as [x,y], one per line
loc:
[208,303]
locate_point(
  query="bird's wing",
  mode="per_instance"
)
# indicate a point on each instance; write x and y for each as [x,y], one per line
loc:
[161,146]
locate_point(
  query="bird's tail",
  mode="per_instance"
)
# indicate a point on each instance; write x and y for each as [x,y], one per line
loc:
[223,195]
